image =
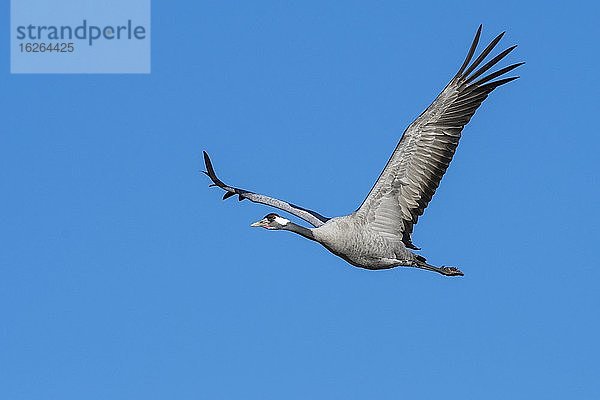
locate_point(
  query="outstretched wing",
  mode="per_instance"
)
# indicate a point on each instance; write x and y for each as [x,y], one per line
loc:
[415,169]
[313,218]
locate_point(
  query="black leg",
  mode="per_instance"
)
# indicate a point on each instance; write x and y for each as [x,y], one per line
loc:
[448,271]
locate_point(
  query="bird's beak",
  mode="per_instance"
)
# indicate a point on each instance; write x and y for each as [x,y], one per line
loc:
[259,224]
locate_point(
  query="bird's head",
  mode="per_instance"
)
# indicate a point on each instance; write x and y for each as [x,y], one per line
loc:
[271,221]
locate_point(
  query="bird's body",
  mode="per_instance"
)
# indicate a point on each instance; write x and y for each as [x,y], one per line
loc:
[378,235]
[350,238]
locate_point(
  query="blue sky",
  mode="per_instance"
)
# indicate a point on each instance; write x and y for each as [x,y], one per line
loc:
[124,276]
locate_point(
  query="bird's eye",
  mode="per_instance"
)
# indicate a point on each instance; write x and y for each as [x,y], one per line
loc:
[271,217]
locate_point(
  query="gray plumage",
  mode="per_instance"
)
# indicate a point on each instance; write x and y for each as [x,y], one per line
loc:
[378,235]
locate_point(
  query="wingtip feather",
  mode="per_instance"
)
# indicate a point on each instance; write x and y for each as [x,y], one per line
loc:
[209,168]
[471,51]
[489,64]
[496,74]
[483,54]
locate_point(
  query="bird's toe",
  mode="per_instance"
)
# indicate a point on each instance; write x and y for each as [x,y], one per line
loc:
[452,271]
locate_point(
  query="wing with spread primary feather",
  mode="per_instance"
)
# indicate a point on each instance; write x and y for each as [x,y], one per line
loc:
[417,165]
[312,217]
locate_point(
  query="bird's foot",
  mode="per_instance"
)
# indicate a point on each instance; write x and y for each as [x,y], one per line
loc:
[448,271]
[451,271]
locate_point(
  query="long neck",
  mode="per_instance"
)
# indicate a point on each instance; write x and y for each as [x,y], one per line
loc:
[292,227]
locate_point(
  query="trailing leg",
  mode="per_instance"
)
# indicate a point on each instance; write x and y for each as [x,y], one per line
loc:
[448,271]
